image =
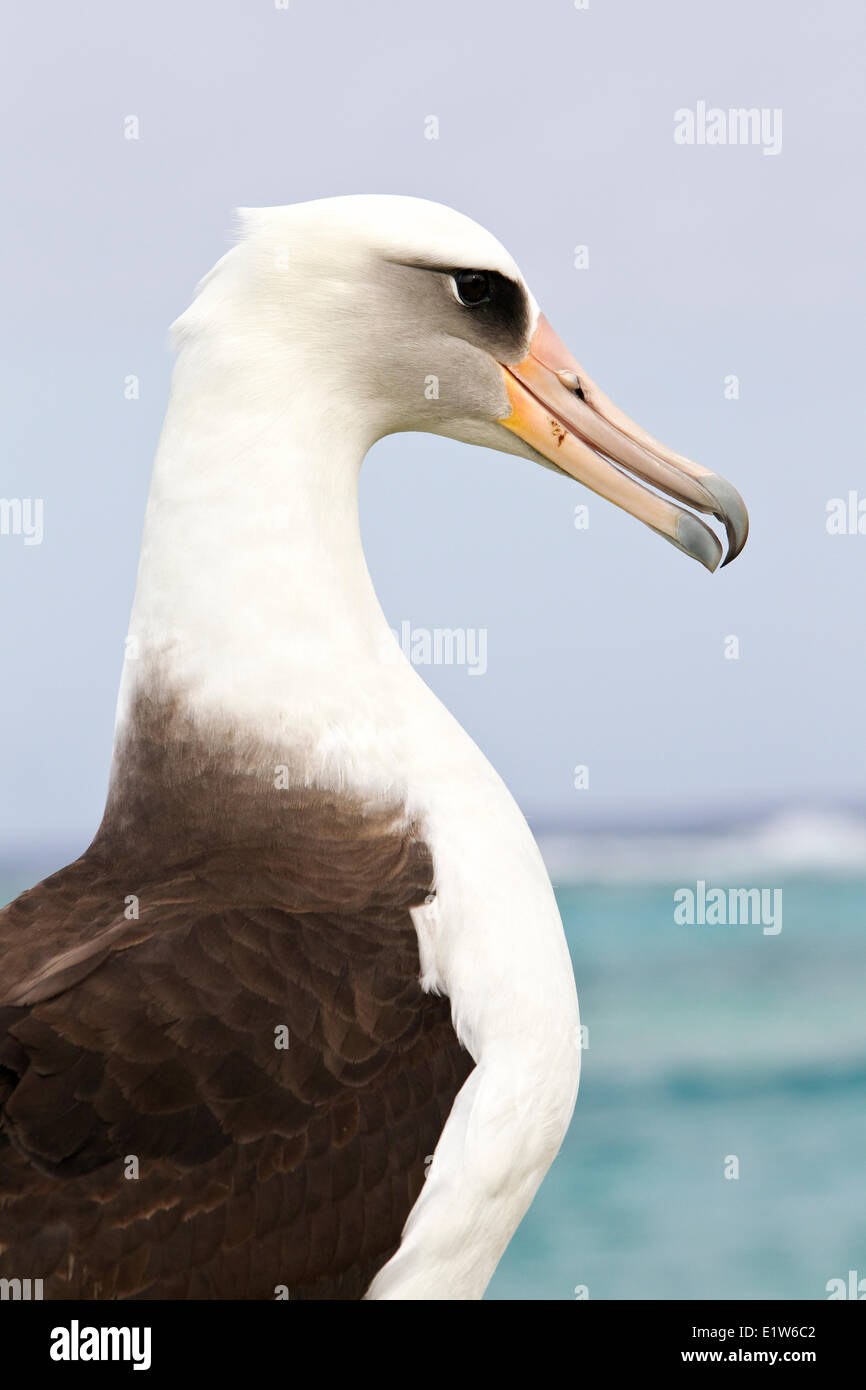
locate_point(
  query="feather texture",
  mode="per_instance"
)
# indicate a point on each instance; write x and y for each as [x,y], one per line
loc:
[155,1037]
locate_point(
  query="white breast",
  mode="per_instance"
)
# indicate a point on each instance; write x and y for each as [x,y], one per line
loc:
[492,940]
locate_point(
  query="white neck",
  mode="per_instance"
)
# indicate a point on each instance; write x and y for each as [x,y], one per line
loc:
[253,598]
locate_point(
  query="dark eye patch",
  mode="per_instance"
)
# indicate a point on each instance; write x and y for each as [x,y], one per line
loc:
[503,316]
[498,321]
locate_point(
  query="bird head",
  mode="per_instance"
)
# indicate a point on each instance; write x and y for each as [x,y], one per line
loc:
[395,313]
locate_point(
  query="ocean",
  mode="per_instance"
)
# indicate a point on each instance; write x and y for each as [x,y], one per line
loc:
[718,1147]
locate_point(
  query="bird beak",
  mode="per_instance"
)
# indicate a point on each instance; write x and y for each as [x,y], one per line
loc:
[560,412]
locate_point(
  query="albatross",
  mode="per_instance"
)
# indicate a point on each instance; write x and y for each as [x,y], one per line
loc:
[301,1021]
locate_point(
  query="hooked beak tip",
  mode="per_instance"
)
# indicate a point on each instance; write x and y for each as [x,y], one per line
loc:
[731,511]
[698,541]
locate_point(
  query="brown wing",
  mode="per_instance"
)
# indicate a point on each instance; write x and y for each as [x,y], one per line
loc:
[149,1046]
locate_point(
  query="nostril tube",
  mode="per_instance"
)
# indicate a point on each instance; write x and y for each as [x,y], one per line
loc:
[571,383]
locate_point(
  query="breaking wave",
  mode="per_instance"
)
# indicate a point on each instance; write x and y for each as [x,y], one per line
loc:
[788,844]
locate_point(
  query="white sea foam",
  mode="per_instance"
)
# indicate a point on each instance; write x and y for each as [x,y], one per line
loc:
[786,844]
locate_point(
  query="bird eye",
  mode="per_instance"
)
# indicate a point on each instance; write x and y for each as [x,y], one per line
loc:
[473,287]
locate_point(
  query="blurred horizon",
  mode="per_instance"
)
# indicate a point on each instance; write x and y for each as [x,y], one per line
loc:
[796,841]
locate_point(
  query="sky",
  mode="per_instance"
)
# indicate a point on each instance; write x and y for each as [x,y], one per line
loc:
[718,299]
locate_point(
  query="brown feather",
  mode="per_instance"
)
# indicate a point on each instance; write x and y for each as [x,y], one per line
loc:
[259,908]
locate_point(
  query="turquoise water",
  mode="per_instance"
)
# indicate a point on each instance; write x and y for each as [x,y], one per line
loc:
[706,1042]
